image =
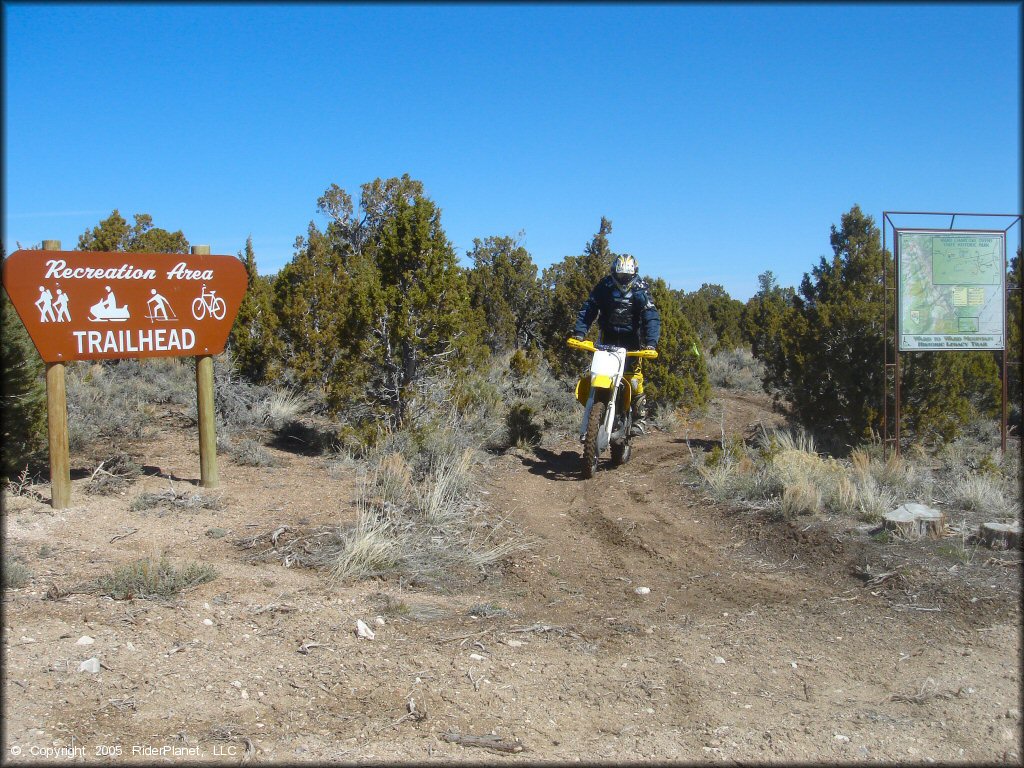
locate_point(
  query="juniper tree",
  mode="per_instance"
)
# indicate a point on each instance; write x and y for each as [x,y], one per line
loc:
[715,316]
[566,286]
[254,343]
[503,285]
[425,328]
[114,234]
[828,353]
[765,316]
[324,316]
[679,375]
[23,393]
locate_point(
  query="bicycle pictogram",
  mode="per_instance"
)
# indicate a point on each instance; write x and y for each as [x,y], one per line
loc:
[209,303]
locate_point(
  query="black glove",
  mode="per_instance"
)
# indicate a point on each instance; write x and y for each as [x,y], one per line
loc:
[648,346]
[578,336]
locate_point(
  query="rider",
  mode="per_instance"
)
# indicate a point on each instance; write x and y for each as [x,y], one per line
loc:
[627,317]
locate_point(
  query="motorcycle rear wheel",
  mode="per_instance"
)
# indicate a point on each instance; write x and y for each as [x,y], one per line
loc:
[621,452]
[590,453]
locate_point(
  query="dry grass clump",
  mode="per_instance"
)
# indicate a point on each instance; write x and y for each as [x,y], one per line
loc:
[415,517]
[419,527]
[284,407]
[786,474]
[106,403]
[736,369]
[15,573]
[23,485]
[146,578]
[978,478]
[373,548]
[524,402]
[113,475]
[982,493]
[249,452]
[802,497]
[175,499]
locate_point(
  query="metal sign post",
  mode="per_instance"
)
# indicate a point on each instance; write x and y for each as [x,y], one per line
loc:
[949,293]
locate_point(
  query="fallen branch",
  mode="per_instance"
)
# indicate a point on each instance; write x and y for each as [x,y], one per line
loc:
[927,692]
[464,637]
[489,742]
[124,535]
[542,628]
[1003,563]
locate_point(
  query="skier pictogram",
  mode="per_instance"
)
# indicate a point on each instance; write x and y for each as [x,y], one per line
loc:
[159,308]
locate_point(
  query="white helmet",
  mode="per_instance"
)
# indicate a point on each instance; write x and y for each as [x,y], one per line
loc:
[625,271]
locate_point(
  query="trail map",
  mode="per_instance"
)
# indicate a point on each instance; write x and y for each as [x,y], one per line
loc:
[951,289]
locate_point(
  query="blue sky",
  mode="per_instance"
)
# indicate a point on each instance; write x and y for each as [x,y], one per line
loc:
[721,140]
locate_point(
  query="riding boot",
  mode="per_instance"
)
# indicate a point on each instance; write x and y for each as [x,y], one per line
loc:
[639,415]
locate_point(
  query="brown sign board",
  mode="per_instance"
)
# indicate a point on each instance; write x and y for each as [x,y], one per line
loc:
[91,305]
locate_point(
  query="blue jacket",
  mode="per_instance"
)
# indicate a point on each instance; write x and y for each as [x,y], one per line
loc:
[626,318]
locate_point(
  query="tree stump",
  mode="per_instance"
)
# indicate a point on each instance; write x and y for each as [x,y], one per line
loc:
[915,521]
[1000,535]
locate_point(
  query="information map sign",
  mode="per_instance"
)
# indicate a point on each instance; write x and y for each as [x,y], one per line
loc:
[89,305]
[952,289]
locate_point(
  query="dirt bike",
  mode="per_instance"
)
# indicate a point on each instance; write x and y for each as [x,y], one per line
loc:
[607,401]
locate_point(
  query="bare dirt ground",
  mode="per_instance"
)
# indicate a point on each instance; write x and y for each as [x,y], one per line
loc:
[757,641]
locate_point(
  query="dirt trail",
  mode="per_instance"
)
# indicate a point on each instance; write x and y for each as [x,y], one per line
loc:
[755,643]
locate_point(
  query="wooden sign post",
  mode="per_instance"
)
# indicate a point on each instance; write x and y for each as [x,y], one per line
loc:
[93,305]
[57,425]
[204,409]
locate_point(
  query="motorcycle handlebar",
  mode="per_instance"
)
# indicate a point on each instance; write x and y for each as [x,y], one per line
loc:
[589,346]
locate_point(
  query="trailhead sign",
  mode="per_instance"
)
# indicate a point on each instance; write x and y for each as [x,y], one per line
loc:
[89,305]
[952,290]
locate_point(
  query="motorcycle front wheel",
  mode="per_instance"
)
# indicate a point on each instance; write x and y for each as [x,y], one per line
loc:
[590,442]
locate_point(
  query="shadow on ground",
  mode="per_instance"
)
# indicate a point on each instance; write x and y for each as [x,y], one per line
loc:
[551,465]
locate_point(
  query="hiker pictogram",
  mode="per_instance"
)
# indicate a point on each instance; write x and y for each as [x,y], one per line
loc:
[45,305]
[61,305]
[106,309]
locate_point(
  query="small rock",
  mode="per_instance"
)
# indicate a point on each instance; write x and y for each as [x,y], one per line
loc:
[719,660]
[208,622]
[842,739]
[643,590]
[364,631]
[514,643]
[236,683]
[1013,714]
[477,657]
[379,621]
[26,639]
[92,666]
[245,694]
[84,640]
